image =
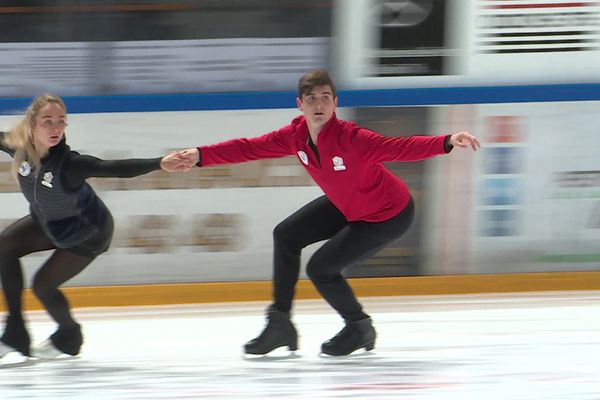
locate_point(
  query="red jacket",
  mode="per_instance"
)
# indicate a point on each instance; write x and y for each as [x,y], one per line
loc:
[350,171]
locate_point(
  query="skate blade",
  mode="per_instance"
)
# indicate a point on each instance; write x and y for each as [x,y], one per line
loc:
[360,352]
[5,349]
[280,353]
[46,351]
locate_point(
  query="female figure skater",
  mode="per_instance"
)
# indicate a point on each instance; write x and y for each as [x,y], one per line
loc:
[65,215]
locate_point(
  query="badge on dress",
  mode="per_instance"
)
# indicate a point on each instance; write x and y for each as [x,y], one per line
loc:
[303,157]
[338,163]
[47,179]
[24,168]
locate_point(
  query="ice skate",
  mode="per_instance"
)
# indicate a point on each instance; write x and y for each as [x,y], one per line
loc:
[354,336]
[64,341]
[5,349]
[46,350]
[15,337]
[279,332]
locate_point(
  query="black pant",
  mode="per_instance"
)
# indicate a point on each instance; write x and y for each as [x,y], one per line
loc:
[24,237]
[349,243]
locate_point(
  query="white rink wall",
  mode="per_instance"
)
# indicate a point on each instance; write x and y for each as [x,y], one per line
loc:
[528,202]
[162,252]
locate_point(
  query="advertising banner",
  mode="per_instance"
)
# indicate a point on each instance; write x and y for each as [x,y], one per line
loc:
[537,188]
[433,43]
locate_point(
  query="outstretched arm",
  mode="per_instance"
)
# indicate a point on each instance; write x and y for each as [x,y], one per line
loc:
[376,147]
[270,145]
[230,152]
[85,166]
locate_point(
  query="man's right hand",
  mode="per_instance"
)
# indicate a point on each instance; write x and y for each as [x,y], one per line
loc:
[191,155]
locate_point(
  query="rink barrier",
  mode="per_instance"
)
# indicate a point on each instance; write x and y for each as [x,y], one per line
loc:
[216,292]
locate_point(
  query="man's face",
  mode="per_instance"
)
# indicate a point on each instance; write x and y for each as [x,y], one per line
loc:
[318,106]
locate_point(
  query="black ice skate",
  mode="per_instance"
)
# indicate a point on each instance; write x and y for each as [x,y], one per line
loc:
[354,336]
[66,340]
[15,336]
[279,332]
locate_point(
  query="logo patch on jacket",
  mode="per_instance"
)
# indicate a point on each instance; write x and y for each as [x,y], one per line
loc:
[338,163]
[303,157]
[24,168]
[47,180]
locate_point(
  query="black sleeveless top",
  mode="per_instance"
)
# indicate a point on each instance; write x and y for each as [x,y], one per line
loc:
[61,201]
[68,217]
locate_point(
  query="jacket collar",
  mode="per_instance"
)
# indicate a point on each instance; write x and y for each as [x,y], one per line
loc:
[58,148]
[301,128]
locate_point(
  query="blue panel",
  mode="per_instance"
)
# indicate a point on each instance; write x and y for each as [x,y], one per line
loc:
[348,98]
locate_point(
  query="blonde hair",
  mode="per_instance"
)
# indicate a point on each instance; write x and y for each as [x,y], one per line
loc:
[21,138]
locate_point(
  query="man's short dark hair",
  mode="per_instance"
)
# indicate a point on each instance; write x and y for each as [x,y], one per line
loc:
[311,79]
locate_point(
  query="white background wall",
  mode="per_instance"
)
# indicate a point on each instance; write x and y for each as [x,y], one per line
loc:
[557,218]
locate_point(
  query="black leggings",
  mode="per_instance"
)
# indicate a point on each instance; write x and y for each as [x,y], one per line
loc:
[349,243]
[25,237]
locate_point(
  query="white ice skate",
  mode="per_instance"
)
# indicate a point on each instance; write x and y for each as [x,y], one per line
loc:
[46,350]
[5,349]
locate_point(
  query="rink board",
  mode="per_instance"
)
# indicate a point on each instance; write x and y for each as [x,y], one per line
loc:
[213,292]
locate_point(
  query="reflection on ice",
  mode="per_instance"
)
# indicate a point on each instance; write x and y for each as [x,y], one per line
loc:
[527,346]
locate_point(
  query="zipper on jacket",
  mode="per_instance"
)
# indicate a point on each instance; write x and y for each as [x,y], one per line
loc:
[35,184]
[315,151]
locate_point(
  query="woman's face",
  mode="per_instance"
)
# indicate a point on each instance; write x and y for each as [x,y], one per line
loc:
[50,124]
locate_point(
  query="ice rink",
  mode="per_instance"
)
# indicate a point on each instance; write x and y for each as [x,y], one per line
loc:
[511,346]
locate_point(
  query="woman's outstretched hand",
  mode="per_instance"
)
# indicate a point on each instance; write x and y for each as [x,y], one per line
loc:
[192,155]
[464,139]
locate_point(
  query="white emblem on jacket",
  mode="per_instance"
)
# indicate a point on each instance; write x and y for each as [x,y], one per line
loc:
[24,168]
[303,157]
[47,180]
[338,163]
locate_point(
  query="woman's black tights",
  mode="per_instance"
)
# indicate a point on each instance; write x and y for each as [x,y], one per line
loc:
[25,237]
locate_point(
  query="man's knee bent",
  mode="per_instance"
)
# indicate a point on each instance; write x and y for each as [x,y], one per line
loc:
[319,272]
[282,233]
